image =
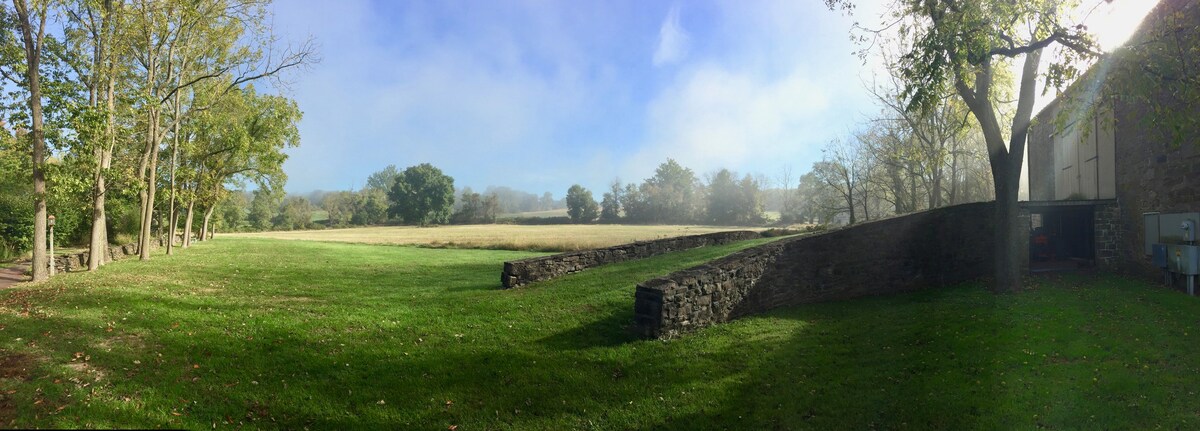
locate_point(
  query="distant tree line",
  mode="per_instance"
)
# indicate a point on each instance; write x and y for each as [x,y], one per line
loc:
[674,195]
[418,195]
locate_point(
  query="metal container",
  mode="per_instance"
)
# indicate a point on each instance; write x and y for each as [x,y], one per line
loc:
[1160,256]
[1183,259]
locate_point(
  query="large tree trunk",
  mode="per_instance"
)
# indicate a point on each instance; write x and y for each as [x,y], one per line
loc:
[150,170]
[187,224]
[33,54]
[1006,164]
[173,213]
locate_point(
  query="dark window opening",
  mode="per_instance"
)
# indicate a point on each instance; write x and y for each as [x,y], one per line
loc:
[1061,238]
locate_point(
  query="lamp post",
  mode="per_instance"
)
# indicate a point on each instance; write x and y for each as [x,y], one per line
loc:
[50,221]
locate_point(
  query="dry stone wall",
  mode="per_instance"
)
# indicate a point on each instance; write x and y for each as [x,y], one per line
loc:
[521,272]
[929,249]
[79,261]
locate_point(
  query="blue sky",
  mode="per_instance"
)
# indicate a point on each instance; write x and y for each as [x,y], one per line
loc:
[538,95]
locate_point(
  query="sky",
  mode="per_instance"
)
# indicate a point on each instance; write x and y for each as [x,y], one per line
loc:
[540,95]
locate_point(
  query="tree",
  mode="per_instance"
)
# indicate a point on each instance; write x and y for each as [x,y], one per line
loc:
[963,45]
[750,202]
[1159,69]
[233,210]
[581,207]
[263,209]
[383,179]
[29,22]
[610,205]
[423,195]
[670,195]
[295,213]
[842,172]
[179,45]
[370,207]
[476,209]
[16,198]
[340,208]
[723,198]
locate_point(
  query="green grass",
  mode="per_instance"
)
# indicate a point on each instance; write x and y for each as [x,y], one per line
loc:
[295,334]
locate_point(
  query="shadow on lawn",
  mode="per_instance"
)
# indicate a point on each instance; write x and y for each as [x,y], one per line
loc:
[612,330]
[908,361]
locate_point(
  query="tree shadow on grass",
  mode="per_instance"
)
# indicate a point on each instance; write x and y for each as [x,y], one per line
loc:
[908,361]
[611,330]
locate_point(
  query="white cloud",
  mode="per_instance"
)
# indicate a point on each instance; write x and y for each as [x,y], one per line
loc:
[673,40]
[715,117]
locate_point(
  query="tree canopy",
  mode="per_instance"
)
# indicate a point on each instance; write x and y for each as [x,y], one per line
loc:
[423,195]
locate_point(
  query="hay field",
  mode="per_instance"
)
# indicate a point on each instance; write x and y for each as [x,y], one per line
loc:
[496,236]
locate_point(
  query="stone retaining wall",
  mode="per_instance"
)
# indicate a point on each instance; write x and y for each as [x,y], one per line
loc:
[521,272]
[79,261]
[929,249]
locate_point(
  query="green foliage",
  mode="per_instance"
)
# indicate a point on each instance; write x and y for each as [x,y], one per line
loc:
[263,209]
[382,180]
[232,211]
[423,195]
[1158,72]
[950,42]
[610,205]
[231,323]
[476,209]
[670,196]
[370,208]
[581,207]
[294,213]
[339,207]
[16,199]
[732,202]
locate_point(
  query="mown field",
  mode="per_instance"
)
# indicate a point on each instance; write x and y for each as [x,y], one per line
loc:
[255,333]
[496,236]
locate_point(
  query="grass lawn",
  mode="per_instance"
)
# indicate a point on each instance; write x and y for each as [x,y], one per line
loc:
[497,236]
[295,334]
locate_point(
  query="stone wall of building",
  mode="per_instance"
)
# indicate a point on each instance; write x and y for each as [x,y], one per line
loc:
[521,272]
[1106,220]
[1154,175]
[929,249]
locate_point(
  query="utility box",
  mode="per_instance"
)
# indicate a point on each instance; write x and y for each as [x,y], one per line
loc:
[1183,259]
[1164,228]
[1150,223]
[1160,256]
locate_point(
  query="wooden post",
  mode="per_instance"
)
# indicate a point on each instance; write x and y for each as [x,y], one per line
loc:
[51,223]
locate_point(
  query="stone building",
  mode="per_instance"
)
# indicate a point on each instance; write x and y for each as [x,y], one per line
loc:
[1103,154]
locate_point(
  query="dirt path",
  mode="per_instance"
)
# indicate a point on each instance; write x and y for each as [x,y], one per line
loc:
[13,275]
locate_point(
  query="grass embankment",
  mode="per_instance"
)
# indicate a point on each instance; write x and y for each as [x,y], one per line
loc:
[293,334]
[497,236]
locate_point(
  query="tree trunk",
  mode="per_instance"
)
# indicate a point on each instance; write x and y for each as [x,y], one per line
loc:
[150,187]
[187,224]
[33,54]
[1008,240]
[207,218]
[954,176]
[173,214]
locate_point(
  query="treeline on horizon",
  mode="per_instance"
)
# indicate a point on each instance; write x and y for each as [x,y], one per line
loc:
[424,195]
